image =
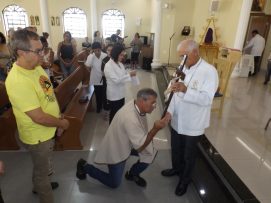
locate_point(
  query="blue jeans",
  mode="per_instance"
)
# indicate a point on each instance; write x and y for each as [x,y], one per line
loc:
[67,70]
[113,177]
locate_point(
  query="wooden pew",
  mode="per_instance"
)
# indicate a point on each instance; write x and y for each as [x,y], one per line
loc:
[8,124]
[68,94]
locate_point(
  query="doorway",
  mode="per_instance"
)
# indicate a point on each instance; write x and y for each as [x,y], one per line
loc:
[261,22]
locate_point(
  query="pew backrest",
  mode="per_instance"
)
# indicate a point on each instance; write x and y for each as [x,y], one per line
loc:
[67,89]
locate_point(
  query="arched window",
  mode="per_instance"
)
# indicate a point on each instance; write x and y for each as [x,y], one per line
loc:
[14,17]
[112,20]
[75,21]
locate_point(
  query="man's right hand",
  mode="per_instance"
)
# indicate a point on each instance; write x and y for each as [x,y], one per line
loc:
[158,125]
[64,124]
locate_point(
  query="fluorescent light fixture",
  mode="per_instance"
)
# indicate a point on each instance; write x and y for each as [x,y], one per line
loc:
[253,152]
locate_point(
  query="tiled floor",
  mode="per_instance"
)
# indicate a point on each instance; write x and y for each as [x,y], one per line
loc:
[16,184]
[239,135]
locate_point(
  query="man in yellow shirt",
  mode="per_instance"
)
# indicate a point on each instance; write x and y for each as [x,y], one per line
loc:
[35,108]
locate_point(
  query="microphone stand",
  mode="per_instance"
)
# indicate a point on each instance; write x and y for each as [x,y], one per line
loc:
[169,48]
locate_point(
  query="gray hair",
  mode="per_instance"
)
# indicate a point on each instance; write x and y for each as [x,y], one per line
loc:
[189,44]
[21,40]
[145,93]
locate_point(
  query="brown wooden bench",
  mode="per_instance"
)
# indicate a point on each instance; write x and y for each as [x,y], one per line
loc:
[8,124]
[68,94]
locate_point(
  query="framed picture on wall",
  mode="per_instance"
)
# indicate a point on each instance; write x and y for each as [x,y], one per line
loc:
[57,21]
[258,5]
[53,21]
[32,20]
[37,20]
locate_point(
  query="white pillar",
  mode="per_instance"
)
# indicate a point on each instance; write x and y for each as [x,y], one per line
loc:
[45,18]
[242,25]
[242,30]
[157,22]
[93,12]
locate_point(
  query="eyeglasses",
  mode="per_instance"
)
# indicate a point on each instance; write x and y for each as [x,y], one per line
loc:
[38,51]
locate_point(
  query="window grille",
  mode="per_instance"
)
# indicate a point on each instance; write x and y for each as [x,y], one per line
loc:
[75,21]
[112,20]
[14,17]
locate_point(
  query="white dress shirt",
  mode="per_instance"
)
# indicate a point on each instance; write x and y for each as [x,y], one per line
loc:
[191,110]
[116,77]
[256,44]
[95,64]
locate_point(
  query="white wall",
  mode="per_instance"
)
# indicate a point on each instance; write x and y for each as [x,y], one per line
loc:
[181,13]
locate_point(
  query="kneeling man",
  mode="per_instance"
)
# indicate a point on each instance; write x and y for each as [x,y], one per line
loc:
[127,135]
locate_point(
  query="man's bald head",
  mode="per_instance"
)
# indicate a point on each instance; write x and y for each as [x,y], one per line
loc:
[189,45]
[191,49]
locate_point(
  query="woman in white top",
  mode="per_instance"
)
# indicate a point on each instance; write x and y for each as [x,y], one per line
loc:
[116,77]
[48,56]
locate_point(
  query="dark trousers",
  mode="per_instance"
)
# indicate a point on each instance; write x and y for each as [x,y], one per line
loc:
[184,154]
[105,101]
[268,71]
[256,64]
[1,199]
[114,107]
[134,57]
[98,89]
[114,176]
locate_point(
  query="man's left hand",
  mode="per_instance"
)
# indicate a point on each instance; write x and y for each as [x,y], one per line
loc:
[59,132]
[178,87]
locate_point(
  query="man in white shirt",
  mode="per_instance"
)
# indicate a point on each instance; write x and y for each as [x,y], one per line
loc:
[94,63]
[190,109]
[127,135]
[256,45]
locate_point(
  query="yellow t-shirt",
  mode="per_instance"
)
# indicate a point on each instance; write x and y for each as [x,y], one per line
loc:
[29,90]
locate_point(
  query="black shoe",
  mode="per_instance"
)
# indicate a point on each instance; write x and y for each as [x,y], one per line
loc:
[54,185]
[136,178]
[265,82]
[181,189]
[80,173]
[169,172]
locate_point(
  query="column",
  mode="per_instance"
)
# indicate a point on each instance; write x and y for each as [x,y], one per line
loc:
[242,30]
[156,25]
[93,13]
[45,18]
[242,25]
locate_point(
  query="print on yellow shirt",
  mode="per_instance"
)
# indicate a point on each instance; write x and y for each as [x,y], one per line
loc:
[46,84]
